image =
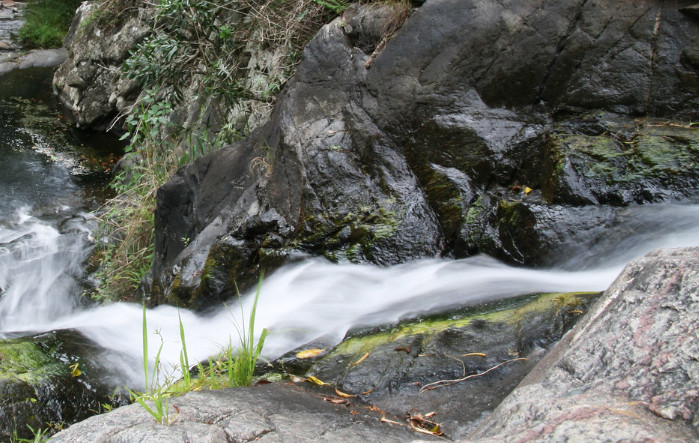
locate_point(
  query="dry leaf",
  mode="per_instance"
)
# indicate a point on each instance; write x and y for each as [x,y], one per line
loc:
[424,426]
[337,401]
[360,360]
[342,394]
[296,378]
[527,189]
[474,354]
[310,353]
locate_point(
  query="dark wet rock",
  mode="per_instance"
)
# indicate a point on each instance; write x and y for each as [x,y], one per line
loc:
[39,388]
[271,412]
[390,366]
[627,371]
[514,139]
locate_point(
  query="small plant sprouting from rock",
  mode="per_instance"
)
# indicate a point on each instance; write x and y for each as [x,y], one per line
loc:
[234,366]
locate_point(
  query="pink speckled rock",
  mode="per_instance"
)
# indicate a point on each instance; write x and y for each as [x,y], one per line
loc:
[629,371]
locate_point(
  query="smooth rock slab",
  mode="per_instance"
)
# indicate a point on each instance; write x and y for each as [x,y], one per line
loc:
[270,413]
[40,58]
[628,371]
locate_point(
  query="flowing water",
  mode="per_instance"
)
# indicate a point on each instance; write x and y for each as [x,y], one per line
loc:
[47,190]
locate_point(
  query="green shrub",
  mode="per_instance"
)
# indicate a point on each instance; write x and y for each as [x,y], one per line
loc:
[47,22]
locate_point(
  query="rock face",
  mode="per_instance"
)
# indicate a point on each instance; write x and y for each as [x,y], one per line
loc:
[89,84]
[505,128]
[274,412]
[628,370]
[105,35]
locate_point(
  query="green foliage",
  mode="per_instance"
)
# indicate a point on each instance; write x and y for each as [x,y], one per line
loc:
[241,368]
[234,366]
[157,393]
[127,227]
[47,21]
[336,6]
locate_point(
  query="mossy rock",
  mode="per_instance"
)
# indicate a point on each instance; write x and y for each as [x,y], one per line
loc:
[629,162]
[387,366]
[41,387]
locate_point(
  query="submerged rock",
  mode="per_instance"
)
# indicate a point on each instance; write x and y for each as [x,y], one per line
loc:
[518,138]
[51,380]
[415,367]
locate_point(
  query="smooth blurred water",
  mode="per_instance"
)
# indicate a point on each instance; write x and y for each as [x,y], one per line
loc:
[48,186]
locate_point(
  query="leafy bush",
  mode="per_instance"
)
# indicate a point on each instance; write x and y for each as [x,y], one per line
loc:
[47,22]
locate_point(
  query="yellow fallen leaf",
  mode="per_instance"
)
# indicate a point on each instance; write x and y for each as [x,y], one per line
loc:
[317,381]
[310,353]
[527,189]
[75,372]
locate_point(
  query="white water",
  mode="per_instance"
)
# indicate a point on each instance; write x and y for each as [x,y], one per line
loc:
[306,301]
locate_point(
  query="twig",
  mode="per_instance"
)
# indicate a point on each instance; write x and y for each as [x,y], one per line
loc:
[441,383]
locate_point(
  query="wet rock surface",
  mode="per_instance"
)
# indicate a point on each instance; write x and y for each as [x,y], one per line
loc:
[272,412]
[41,387]
[519,141]
[437,365]
[627,371]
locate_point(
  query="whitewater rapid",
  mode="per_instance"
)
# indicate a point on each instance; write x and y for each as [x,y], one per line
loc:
[306,301]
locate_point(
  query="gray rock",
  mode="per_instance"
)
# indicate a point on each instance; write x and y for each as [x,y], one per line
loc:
[89,83]
[39,58]
[627,371]
[428,146]
[44,58]
[273,412]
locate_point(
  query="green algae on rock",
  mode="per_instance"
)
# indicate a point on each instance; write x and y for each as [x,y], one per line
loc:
[388,365]
[49,380]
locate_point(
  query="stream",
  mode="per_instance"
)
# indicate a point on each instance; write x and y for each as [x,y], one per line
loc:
[52,178]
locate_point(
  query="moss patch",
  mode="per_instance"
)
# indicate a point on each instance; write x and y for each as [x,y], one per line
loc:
[510,312]
[26,361]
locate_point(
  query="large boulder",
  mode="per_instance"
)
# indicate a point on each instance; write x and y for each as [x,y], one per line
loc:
[628,370]
[506,128]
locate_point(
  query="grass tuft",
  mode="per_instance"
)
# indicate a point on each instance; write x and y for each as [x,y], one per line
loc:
[46,22]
